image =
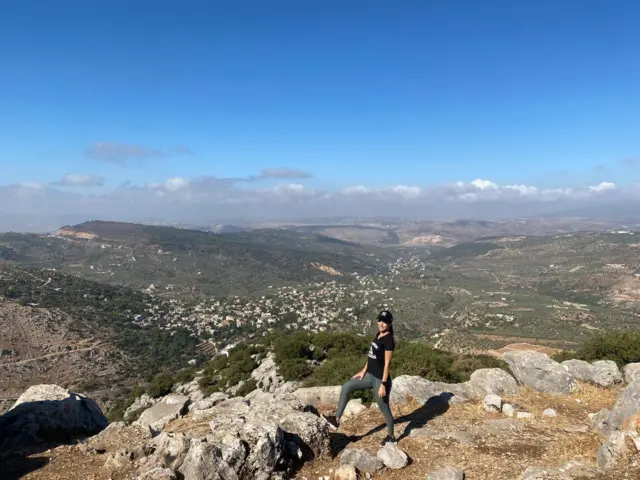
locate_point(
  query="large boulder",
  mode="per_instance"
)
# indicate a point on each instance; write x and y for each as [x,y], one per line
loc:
[169,408]
[406,388]
[191,389]
[540,372]
[319,395]
[47,414]
[493,381]
[603,373]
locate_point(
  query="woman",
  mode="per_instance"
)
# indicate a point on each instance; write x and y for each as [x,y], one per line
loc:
[375,374]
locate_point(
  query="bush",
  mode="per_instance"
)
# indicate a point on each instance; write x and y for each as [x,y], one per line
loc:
[622,347]
[186,375]
[294,369]
[247,387]
[160,386]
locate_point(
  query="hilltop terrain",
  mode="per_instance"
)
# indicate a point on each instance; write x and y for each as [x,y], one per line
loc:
[158,297]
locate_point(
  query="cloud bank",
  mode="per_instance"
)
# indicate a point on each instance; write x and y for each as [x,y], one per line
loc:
[210,199]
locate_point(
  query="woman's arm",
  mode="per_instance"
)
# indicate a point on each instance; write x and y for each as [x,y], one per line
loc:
[387,365]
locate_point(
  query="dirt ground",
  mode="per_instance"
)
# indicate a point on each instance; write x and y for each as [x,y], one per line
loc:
[487,446]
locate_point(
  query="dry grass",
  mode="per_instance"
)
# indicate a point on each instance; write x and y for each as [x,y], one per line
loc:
[495,455]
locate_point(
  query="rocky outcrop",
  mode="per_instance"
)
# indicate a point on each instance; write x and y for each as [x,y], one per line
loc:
[483,382]
[538,371]
[139,404]
[169,408]
[628,404]
[47,414]
[266,375]
[245,439]
[603,373]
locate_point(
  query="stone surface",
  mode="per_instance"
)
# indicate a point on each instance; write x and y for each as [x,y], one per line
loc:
[572,470]
[612,449]
[139,404]
[319,395]
[208,402]
[493,381]
[169,408]
[361,460]
[628,404]
[540,372]
[393,457]
[549,412]
[492,403]
[266,375]
[158,473]
[346,472]
[604,373]
[447,473]
[48,414]
[631,372]
[353,408]
[508,410]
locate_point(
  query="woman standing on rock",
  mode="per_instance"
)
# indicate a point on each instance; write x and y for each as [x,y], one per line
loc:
[375,375]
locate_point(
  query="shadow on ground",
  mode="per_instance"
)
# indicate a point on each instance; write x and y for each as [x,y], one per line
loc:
[434,407]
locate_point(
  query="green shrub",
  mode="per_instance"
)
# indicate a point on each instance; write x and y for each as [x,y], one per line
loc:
[620,346]
[186,375]
[294,369]
[247,387]
[160,386]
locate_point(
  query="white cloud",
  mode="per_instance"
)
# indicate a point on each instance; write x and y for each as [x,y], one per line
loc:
[206,199]
[77,180]
[603,186]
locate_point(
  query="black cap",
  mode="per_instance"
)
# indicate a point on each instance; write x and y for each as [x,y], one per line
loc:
[385,316]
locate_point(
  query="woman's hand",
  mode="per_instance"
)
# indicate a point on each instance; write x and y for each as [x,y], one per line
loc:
[382,391]
[358,376]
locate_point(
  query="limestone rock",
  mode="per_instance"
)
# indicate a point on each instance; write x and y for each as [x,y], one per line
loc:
[446,473]
[361,460]
[604,373]
[141,403]
[169,450]
[319,395]
[169,408]
[191,390]
[549,412]
[508,410]
[353,408]
[492,403]
[346,472]
[540,372]
[493,381]
[631,372]
[393,457]
[46,413]
[628,404]
[612,449]
[208,402]
[266,375]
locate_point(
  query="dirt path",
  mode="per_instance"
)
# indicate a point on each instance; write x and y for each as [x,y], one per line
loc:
[50,355]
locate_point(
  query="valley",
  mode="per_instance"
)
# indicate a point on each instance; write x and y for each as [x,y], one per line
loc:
[147,299]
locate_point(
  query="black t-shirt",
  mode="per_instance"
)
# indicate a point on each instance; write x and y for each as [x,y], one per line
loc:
[375,365]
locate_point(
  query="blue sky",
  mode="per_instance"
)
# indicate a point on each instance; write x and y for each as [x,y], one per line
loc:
[370,93]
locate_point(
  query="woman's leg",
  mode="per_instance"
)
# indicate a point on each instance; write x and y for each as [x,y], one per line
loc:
[383,403]
[350,387]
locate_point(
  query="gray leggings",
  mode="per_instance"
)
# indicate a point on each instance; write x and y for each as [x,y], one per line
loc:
[368,381]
